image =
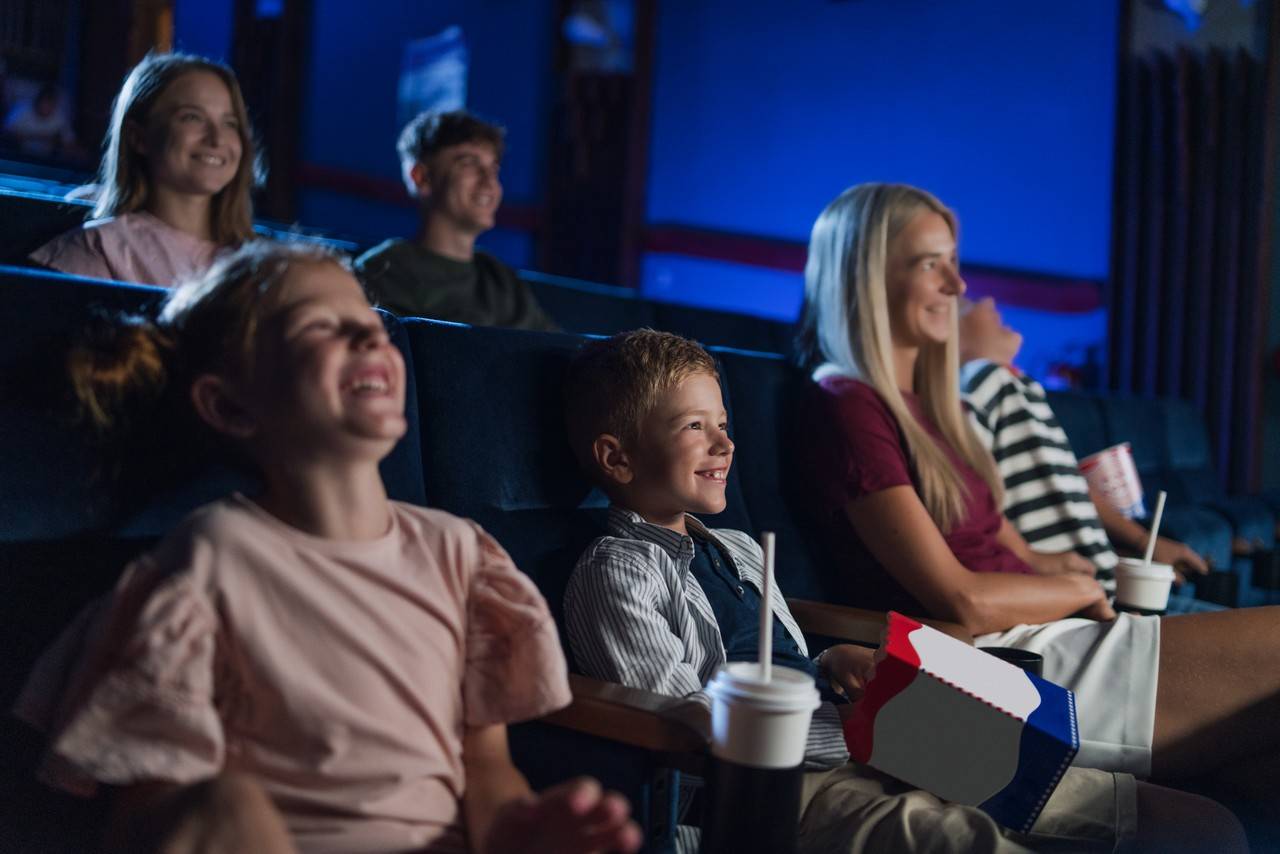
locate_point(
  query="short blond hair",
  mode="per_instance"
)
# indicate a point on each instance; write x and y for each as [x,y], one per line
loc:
[614,383]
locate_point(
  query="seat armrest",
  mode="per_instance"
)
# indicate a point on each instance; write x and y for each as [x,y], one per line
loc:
[857,624]
[673,726]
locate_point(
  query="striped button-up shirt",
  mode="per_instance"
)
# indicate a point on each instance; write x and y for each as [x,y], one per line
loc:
[636,615]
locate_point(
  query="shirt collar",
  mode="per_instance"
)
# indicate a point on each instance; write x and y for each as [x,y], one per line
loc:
[628,523]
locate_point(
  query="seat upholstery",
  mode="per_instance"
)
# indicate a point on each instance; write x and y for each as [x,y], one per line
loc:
[765,392]
[1081,417]
[30,220]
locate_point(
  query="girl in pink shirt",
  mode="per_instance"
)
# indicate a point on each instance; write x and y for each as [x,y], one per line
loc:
[175,177]
[317,668]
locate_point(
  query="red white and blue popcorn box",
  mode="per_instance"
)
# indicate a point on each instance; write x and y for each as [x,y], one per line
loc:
[966,726]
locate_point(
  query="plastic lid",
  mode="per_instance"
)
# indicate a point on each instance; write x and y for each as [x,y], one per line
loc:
[788,690]
[1133,567]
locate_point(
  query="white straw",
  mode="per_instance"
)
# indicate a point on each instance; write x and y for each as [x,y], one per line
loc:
[766,610]
[1155,529]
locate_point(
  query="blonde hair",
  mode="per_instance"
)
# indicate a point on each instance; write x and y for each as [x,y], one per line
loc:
[613,384]
[846,323]
[122,175]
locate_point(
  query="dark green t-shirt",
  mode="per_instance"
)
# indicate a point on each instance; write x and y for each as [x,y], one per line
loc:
[410,280]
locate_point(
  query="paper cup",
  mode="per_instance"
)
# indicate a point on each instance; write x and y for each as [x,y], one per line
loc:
[1112,474]
[759,724]
[1142,588]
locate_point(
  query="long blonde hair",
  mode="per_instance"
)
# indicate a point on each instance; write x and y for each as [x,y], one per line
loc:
[123,171]
[846,324]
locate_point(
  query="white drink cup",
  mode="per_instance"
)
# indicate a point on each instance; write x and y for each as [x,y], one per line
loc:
[1143,587]
[758,734]
[761,724]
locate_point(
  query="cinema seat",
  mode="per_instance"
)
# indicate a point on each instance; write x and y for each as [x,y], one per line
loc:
[29,220]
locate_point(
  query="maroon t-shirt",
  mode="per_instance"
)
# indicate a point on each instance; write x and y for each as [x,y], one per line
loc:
[859,450]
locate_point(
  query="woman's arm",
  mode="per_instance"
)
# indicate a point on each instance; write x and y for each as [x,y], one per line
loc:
[904,539]
[503,815]
[1044,563]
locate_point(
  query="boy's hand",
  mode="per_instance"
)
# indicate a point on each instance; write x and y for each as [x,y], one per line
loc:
[1180,556]
[849,668]
[576,817]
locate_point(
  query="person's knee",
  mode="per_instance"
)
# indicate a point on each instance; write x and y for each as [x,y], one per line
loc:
[1172,820]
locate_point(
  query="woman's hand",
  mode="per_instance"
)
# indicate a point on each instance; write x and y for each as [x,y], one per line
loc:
[1100,611]
[576,817]
[848,668]
[1061,563]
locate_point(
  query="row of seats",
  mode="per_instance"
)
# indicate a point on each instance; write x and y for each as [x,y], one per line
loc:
[485,441]
[1172,452]
[1169,441]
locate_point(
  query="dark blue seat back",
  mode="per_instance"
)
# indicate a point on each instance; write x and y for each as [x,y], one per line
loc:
[28,221]
[722,328]
[767,396]
[494,447]
[1081,417]
[588,308]
[1141,423]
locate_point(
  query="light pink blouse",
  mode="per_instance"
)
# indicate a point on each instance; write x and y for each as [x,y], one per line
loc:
[132,247]
[340,675]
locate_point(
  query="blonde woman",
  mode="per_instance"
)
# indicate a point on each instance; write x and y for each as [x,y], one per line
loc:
[177,168]
[909,500]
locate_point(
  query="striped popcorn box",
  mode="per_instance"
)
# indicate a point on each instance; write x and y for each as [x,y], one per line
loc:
[950,719]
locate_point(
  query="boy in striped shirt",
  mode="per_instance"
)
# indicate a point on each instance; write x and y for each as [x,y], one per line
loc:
[1046,497]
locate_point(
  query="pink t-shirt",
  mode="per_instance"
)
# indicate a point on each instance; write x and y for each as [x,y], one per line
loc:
[132,247]
[340,675]
[858,449]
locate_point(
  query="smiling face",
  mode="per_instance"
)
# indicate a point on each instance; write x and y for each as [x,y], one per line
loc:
[191,136]
[462,186]
[680,461]
[922,275]
[328,384]
[983,334]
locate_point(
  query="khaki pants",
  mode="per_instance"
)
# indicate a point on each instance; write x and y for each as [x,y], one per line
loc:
[857,809]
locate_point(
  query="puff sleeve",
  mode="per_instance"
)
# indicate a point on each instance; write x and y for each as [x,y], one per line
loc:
[138,704]
[515,668]
[78,252]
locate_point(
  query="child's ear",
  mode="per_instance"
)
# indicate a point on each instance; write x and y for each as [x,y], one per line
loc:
[417,178]
[611,459]
[217,406]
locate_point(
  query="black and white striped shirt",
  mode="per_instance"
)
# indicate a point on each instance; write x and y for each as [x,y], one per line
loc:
[1046,497]
[636,615]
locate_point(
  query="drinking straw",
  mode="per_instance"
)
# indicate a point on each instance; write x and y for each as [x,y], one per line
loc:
[766,609]
[1155,529]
